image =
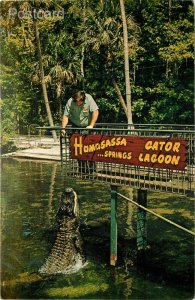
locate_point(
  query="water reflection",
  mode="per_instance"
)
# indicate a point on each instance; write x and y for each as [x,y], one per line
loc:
[51,193]
[30,194]
[130,214]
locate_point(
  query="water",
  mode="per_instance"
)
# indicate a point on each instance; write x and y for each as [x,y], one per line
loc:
[30,195]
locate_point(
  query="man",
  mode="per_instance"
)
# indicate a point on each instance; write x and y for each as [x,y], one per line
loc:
[81,110]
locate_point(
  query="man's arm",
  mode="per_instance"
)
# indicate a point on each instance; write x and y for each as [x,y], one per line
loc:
[94,118]
[64,124]
[64,121]
[66,113]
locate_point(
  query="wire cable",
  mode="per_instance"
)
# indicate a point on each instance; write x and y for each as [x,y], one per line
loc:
[157,215]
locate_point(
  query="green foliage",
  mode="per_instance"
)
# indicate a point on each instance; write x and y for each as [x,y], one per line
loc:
[164,68]
[15,103]
[85,49]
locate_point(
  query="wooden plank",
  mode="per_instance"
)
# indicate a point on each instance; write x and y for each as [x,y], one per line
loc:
[155,152]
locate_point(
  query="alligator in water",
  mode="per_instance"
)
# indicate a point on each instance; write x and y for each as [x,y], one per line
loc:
[67,253]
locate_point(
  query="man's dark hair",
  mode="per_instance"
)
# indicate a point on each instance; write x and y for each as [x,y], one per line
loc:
[78,94]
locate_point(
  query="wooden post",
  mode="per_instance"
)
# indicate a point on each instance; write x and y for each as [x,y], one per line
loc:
[141,220]
[113,237]
[61,149]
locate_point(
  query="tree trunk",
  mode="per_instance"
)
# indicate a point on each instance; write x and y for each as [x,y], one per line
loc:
[120,96]
[82,67]
[44,88]
[126,58]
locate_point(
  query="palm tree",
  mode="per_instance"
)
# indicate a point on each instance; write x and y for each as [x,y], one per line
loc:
[43,83]
[126,58]
[103,29]
[26,37]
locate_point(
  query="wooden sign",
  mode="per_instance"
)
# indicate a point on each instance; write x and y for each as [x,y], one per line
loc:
[155,152]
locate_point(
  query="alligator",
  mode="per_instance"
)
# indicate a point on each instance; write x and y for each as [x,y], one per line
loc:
[67,253]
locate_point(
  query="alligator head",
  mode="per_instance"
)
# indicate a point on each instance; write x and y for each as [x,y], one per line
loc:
[67,254]
[69,207]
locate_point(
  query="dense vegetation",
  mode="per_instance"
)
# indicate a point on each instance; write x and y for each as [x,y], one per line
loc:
[83,47]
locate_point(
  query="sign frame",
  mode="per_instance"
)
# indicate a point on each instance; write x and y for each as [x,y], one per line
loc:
[153,152]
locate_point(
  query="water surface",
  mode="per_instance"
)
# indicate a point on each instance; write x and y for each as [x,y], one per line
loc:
[30,195]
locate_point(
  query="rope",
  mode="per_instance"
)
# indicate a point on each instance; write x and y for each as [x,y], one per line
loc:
[157,215]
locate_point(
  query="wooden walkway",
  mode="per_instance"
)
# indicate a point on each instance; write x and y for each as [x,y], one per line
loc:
[44,149]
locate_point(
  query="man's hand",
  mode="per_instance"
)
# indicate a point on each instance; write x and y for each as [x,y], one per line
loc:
[62,132]
[89,127]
